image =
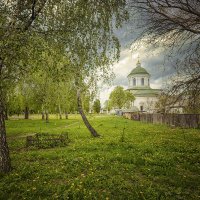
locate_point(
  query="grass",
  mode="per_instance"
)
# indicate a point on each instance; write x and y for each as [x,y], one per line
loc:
[131,160]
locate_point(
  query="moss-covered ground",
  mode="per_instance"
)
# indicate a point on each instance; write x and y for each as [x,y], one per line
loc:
[131,160]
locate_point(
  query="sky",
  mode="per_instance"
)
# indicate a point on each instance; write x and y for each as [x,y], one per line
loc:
[153,61]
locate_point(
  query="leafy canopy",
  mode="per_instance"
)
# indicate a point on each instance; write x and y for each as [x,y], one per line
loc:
[121,98]
[97,106]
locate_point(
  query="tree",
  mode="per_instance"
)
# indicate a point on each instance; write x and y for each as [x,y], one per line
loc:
[97,55]
[86,102]
[117,97]
[107,105]
[121,98]
[168,22]
[97,106]
[174,26]
[129,98]
[184,87]
[80,31]
[14,102]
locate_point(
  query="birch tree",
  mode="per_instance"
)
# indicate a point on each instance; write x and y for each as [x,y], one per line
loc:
[83,31]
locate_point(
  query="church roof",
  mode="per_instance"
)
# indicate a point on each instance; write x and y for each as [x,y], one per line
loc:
[138,70]
[145,92]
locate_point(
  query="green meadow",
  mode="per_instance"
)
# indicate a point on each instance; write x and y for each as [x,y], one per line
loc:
[131,160]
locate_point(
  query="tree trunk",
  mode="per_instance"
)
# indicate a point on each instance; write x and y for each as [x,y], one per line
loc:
[43,116]
[5,163]
[85,120]
[60,112]
[66,115]
[6,114]
[26,113]
[47,116]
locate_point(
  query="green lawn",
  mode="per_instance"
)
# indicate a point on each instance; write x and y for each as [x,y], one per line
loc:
[147,162]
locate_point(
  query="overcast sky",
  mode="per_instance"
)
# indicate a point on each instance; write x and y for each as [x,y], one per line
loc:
[152,61]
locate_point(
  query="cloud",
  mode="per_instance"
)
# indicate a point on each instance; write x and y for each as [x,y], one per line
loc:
[105,92]
[155,64]
[153,60]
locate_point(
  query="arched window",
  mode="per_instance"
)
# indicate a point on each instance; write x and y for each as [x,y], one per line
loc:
[134,81]
[148,81]
[142,81]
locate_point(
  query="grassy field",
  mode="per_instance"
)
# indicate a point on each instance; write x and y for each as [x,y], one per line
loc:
[147,162]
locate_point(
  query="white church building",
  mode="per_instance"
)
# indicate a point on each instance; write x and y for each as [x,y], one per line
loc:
[139,85]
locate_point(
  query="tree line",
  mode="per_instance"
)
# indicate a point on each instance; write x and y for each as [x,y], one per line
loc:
[119,98]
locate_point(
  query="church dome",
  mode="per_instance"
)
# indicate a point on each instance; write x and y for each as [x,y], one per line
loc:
[138,70]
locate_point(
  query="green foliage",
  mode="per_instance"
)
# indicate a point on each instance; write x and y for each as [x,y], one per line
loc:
[71,40]
[97,106]
[107,105]
[117,97]
[14,102]
[121,98]
[153,162]
[40,92]
[48,34]
[45,41]
[86,46]
[129,98]
[86,102]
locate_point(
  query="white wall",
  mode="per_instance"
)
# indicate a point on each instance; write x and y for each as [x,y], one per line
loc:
[148,103]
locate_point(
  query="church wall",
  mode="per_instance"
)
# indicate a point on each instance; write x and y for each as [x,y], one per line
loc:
[147,103]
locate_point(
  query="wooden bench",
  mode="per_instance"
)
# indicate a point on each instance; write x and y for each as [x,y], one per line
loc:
[46,140]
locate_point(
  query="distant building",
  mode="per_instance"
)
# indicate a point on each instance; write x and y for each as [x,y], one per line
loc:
[139,85]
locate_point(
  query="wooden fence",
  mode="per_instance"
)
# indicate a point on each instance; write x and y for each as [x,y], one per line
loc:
[176,120]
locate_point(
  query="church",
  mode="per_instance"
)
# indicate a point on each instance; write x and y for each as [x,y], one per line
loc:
[139,85]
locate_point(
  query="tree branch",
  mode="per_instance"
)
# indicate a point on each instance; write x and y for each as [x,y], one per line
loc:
[34,13]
